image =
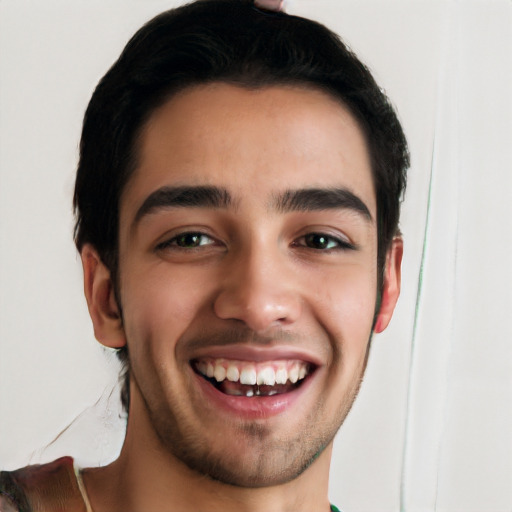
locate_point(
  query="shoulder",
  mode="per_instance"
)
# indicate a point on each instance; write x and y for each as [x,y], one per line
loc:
[42,487]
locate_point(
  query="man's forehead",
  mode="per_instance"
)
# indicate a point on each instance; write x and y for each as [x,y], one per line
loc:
[272,140]
[230,105]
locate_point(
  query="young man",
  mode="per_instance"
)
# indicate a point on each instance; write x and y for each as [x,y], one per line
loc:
[237,203]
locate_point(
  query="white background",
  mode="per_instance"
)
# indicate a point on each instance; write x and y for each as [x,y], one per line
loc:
[432,428]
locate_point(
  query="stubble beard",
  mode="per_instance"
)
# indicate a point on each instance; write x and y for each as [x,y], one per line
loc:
[250,454]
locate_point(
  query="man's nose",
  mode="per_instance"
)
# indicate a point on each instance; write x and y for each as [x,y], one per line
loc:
[261,290]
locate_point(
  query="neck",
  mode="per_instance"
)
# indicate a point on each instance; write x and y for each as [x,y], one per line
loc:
[147,478]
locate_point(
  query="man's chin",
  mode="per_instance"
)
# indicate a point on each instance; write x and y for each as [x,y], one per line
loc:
[265,466]
[247,441]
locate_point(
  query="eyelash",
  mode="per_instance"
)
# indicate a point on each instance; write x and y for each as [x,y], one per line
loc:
[340,244]
[173,242]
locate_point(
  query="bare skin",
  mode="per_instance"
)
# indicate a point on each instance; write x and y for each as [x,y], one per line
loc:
[250,274]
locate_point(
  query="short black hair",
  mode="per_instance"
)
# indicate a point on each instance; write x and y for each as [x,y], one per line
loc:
[229,41]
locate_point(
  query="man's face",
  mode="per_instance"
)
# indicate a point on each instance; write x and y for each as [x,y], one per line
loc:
[248,277]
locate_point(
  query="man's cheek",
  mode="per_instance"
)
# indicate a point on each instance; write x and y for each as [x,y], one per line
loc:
[348,303]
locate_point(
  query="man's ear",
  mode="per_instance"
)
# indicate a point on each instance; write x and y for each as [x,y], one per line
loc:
[101,300]
[390,284]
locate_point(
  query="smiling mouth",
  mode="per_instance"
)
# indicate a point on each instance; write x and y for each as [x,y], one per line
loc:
[249,379]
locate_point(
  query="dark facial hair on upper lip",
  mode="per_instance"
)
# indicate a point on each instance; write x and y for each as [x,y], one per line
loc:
[238,335]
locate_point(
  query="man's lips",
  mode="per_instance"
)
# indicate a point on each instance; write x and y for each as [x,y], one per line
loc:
[249,370]
[237,378]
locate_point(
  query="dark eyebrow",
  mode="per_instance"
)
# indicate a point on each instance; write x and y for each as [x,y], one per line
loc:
[317,199]
[184,197]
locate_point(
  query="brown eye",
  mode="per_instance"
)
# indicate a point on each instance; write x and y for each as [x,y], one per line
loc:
[189,240]
[319,241]
[323,242]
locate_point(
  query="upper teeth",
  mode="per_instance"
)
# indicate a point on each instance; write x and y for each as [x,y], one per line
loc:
[268,373]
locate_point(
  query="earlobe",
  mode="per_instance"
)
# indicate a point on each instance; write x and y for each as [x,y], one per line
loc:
[390,285]
[101,300]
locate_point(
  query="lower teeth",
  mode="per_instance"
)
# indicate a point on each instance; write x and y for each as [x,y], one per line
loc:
[250,392]
[237,389]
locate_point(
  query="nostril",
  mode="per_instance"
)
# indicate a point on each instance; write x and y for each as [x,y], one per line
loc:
[257,311]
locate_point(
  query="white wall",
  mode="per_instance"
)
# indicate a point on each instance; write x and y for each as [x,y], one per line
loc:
[432,428]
